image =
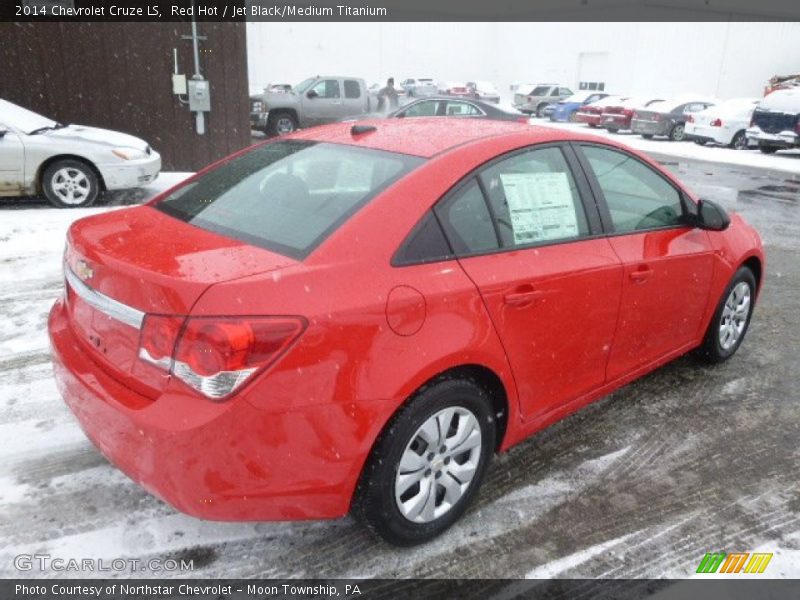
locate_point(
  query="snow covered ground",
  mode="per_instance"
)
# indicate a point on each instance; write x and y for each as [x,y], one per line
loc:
[786,160]
[686,461]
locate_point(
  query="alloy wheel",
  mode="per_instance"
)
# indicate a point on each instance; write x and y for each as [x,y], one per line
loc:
[71,185]
[734,315]
[438,464]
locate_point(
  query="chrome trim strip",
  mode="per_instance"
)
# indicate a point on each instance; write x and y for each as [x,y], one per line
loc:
[108,306]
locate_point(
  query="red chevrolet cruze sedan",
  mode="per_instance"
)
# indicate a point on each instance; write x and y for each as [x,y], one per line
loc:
[357,317]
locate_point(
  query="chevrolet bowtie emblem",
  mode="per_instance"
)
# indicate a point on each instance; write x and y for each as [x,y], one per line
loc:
[83,270]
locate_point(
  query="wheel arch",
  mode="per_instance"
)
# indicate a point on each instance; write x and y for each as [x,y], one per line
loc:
[755,265]
[52,159]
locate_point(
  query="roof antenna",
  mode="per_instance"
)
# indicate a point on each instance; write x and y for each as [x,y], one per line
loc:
[359,129]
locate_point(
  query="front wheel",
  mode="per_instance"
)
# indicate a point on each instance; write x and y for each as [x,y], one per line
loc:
[281,123]
[70,183]
[428,464]
[731,319]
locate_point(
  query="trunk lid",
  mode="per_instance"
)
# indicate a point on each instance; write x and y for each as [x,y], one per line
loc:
[125,264]
[774,121]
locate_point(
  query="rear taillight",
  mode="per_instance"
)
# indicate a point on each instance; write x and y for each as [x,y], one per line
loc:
[656,117]
[716,123]
[635,115]
[690,119]
[628,112]
[216,355]
[797,127]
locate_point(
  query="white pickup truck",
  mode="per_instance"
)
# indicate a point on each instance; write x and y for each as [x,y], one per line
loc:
[315,101]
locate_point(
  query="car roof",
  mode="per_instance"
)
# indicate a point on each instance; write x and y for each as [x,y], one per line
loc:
[427,137]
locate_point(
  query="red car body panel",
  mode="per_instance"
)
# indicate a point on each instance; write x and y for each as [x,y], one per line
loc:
[591,115]
[292,442]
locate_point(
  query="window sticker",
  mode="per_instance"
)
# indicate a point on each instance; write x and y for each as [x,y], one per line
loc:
[540,205]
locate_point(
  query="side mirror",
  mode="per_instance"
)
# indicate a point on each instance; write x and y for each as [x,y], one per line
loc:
[311,94]
[3,133]
[712,216]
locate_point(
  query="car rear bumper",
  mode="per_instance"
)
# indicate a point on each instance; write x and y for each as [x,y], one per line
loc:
[131,173]
[227,461]
[784,139]
[707,134]
[588,118]
[615,122]
[649,127]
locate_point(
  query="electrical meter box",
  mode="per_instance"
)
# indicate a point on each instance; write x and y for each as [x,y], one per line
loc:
[199,95]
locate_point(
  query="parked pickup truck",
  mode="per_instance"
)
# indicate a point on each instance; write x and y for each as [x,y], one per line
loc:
[315,101]
[776,121]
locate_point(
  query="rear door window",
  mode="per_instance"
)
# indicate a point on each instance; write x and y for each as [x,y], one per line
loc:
[534,199]
[467,222]
[351,89]
[287,196]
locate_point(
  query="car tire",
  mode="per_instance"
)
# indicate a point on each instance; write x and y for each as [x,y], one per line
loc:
[385,503]
[573,117]
[540,110]
[700,142]
[676,134]
[731,318]
[739,141]
[612,130]
[647,136]
[592,125]
[70,183]
[767,149]
[281,123]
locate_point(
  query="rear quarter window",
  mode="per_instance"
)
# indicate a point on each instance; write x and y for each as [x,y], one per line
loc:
[287,196]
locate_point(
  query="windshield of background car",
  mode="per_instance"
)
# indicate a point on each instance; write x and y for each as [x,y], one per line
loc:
[287,196]
[542,90]
[23,119]
[304,85]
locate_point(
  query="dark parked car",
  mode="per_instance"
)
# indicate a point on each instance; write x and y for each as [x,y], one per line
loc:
[444,106]
[667,118]
[776,121]
[618,116]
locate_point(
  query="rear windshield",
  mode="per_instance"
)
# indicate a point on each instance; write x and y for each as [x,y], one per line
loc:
[287,196]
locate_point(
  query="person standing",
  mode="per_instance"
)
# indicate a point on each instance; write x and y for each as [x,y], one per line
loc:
[388,96]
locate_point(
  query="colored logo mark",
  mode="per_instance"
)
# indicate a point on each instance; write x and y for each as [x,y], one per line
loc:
[735,562]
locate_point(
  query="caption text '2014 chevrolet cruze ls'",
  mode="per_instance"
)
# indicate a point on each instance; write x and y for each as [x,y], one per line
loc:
[356,317]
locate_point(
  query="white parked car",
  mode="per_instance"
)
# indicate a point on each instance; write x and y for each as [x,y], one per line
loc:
[776,121]
[724,123]
[484,90]
[69,164]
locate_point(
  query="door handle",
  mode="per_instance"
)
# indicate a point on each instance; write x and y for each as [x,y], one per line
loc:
[641,275]
[523,298]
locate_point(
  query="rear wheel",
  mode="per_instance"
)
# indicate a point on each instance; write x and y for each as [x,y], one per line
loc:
[767,149]
[540,110]
[428,464]
[700,142]
[677,132]
[70,183]
[739,141]
[573,117]
[612,129]
[592,125]
[731,319]
[647,136]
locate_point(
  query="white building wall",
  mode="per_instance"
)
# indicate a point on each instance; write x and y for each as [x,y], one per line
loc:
[664,59]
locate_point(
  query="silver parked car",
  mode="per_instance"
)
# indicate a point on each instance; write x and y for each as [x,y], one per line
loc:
[424,86]
[534,99]
[69,164]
